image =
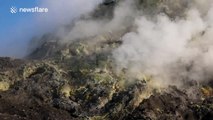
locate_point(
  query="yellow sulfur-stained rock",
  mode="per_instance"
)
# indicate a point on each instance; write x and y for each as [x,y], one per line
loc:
[207,91]
[66,90]
[98,118]
[4,86]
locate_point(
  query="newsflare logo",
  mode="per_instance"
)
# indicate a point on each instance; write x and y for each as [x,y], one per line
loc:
[14,10]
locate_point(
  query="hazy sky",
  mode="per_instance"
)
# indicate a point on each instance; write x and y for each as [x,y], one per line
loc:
[16,30]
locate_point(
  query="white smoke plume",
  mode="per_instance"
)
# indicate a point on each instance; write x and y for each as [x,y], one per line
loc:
[64,11]
[88,28]
[170,50]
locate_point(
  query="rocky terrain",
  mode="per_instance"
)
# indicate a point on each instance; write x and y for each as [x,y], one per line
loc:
[77,81]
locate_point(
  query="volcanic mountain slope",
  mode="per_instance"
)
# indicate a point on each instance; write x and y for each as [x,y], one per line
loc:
[79,81]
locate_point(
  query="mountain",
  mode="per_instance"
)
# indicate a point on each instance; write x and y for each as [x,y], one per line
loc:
[78,79]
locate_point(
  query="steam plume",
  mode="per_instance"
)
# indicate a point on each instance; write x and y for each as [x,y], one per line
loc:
[170,50]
